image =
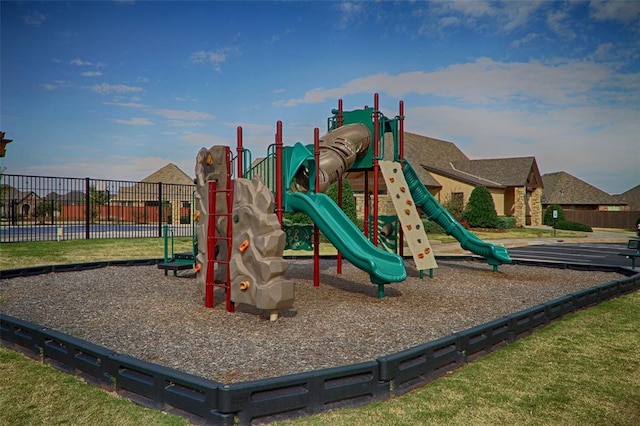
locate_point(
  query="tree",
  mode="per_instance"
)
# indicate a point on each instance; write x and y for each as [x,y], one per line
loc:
[480,211]
[44,209]
[97,198]
[454,205]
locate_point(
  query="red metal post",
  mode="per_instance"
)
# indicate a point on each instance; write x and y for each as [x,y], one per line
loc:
[366,203]
[229,192]
[340,123]
[211,245]
[279,173]
[376,167]
[401,158]
[240,151]
[316,230]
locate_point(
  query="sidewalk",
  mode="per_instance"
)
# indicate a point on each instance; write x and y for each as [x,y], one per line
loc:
[597,236]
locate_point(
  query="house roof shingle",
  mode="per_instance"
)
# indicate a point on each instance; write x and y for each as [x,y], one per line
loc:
[504,171]
[631,198]
[563,188]
[446,159]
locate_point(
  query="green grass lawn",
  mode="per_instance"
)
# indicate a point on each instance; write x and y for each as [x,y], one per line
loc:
[583,370]
[17,255]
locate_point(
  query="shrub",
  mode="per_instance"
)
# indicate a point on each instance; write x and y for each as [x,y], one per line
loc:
[297,218]
[567,225]
[548,215]
[431,227]
[480,211]
[506,222]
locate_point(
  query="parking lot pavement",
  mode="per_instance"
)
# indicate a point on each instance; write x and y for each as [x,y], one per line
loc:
[600,247]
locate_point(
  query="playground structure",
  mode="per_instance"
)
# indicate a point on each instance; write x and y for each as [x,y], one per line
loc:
[239,215]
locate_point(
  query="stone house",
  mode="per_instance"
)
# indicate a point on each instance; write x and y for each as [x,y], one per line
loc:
[514,183]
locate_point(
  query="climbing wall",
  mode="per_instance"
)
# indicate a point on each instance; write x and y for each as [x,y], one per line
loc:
[211,165]
[408,215]
[257,267]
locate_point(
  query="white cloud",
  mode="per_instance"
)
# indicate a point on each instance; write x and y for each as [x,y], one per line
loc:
[558,22]
[80,63]
[615,10]
[111,167]
[126,104]
[486,81]
[216,57]
[481,15]
[105,88]
[91,74]
[136,121]
[58,84]
[34,18]
[176,114]
[203,139]
[349,11]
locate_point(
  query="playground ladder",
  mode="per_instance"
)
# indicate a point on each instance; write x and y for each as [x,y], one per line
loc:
[213,239]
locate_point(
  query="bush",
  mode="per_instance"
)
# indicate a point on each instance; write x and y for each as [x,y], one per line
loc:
[480,211]
[548,215]
[431,227]
[567,225]
[297,218]
[506,222]
[348,199]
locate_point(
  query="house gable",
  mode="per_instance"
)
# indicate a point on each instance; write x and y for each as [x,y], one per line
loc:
[169,174]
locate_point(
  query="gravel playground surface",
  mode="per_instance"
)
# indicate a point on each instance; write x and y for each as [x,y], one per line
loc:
[139,312]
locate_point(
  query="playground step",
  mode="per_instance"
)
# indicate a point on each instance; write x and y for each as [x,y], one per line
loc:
[175,265]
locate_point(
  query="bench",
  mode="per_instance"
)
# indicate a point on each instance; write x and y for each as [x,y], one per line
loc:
[633,245]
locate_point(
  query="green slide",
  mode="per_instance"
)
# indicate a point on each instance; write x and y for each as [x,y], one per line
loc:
[382,266]
[495,255]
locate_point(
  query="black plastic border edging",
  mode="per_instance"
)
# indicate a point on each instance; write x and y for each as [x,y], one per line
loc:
[207,401]
[72,267]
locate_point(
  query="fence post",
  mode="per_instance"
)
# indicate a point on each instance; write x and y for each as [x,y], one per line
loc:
[160,209]
[87,208]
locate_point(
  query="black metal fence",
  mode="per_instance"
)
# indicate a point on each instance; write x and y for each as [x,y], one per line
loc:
[39,208]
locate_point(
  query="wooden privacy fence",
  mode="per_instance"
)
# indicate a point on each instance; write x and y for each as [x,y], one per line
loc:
[604,219]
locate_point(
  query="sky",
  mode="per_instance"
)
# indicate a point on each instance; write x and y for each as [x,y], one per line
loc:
[118,89]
